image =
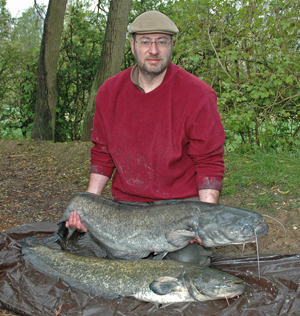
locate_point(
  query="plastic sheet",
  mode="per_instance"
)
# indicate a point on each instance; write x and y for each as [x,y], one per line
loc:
[26,291]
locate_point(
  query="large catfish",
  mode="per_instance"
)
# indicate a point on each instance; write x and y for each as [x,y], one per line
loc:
[146,280]
[133,232]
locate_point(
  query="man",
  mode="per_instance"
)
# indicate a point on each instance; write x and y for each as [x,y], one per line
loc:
[157,126]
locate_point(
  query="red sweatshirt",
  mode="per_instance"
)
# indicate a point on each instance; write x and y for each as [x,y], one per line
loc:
[165,144]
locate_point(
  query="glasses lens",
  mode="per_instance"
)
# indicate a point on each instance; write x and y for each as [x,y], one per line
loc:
[147,44]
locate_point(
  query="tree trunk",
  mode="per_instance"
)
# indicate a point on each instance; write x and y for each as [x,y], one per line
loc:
[111,56]
[47,95]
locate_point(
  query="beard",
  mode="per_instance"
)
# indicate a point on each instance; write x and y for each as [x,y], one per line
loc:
[148,70]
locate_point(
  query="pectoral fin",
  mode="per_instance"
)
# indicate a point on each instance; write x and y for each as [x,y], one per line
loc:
[126,255]
[164,285]
[180,238]
[159,256]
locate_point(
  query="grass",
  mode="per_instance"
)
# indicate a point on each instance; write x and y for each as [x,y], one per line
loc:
[262,181]
[264,200]
[270,169]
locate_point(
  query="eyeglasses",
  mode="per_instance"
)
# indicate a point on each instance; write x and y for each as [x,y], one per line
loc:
[159,43]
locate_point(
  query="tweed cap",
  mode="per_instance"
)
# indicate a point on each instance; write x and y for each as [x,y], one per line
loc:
[153,22]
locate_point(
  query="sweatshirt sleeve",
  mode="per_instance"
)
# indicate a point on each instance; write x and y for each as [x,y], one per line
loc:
[101,160]
[206,134]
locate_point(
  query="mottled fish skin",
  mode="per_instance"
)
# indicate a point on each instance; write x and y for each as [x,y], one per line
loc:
[156,281]
[133,232]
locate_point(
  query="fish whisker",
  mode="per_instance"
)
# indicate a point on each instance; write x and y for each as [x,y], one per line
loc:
[227,301]
[248,284]
[257,254]
[243,249]
[278,223]
[182,308]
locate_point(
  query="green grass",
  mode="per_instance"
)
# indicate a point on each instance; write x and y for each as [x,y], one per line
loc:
[267,169]
[264,200]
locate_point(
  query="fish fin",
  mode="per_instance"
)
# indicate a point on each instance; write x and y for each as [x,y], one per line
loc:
[114,254]
[164,285]
[127,256]
[180,238]
[159,256]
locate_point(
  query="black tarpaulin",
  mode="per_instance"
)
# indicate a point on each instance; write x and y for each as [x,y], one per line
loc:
[26,291]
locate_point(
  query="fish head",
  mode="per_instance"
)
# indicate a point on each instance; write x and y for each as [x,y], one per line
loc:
[206,284]
[228,225]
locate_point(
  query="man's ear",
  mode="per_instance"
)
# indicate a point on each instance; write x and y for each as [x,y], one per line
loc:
[132,43]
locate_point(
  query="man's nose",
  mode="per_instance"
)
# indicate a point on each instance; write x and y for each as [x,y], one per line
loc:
[153,48]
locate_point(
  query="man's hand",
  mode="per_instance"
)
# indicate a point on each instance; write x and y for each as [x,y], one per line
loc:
[75,222]
[198,241]
[96,186]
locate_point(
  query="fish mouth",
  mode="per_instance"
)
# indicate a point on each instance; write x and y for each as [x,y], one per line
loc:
[261,229]
[220,291]
[238,289]
[250,233]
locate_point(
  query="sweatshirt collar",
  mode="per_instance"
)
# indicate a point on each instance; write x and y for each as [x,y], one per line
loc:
[134,76]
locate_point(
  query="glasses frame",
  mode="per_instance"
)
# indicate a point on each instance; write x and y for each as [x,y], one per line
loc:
[151,42]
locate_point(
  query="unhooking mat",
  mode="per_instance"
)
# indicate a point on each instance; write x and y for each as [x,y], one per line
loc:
[26,291]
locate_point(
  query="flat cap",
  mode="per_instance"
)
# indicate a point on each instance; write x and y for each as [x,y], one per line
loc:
[153,22]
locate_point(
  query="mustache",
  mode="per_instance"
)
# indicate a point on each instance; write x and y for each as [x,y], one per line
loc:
[153,57]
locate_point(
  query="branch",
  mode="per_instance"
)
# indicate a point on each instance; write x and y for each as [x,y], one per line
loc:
[39,10]
[212,45]
[287,99]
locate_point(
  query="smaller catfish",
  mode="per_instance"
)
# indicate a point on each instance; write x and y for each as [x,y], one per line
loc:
[133,232]
[161,282]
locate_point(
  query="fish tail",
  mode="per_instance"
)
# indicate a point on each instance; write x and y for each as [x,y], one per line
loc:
[59,236]
[53,239]
[28,242]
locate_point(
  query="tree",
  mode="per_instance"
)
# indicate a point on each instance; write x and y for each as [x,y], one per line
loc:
[47,96]
[111,56]
[80,50]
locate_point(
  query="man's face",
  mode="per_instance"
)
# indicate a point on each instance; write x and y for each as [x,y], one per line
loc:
[153,59]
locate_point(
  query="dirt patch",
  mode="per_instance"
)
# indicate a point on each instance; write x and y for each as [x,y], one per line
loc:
[37,179]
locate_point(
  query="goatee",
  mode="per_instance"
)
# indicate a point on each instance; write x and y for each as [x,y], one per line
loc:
[152,72]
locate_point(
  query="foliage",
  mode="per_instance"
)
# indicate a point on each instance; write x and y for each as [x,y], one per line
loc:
[248,52]
[18,62]
[5,20]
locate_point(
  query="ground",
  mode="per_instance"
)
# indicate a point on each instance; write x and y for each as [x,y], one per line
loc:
[37,179]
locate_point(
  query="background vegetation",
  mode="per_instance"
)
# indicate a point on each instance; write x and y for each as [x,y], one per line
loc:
[248,51]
